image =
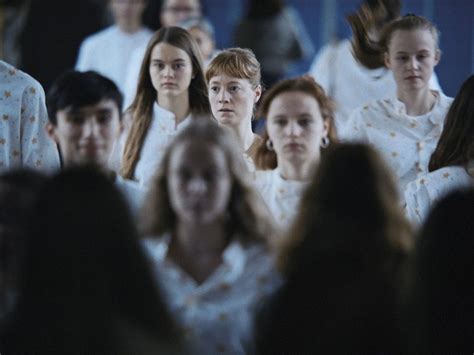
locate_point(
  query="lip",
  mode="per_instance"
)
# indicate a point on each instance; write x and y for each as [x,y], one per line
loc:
[293,146]
[168,84]
[226,110]
[412,77]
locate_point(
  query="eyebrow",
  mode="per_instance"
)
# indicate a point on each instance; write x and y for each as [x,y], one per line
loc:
[162,61]
[419,51]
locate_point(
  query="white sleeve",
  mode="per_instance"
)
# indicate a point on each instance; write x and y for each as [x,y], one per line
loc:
[38,151]
[355,129]
[321,67]
[131,78]
[84,57]
[417,202]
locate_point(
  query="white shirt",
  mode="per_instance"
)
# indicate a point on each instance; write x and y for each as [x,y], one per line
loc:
[349,83]
[160,134]
[133,193]
[109,52]
[23,116]
[405,142]
[132,74]
[216,315]
[281,196]
[423,193]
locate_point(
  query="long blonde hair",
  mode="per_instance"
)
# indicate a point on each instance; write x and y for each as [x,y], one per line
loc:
[248,218]
[141,109]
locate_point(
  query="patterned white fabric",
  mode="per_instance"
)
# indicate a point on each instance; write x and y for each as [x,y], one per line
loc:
[405,142]
[23,116]
[109,52]
[423,193]
[216,315]
[281,196]
[349,83]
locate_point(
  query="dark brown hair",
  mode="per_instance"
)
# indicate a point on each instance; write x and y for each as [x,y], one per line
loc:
[267,159]
[456,144]
[141,108]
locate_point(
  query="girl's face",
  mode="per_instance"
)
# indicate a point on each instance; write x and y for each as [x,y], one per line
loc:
[412,56]
[295,126]
[171,70]
[232,99]
[199,182]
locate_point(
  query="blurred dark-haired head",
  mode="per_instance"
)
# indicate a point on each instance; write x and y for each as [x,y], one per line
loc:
[445,274]
[85,279]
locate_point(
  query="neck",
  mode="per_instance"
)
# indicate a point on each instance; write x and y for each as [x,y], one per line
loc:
[297,170]
[192,240]
[129,26]
[244,133]
[417,103]
[179,105]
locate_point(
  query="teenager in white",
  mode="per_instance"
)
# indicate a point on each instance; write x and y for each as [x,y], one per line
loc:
[451,165]
[348,82]
[233,77]
[299,124]
[206,232]
[173,12]
[171,93]
[404,128]
[85,121]
[23,141]
[109,51]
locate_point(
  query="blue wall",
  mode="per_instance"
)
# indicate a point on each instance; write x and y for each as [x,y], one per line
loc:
[326,18]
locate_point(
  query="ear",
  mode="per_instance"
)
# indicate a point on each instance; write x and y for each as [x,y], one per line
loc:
[258,93]
[326,125]
[51,132]
[386,59]
[437,56]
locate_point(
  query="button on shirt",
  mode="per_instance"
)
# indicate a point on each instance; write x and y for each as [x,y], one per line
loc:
[426,190]
[23,116]
[405,142]
[281,196]
[216,315]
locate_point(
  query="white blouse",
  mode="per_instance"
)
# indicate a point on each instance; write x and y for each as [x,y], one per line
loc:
[405,142]
[109,52]
[349,83]
[281,196]
[423,193]
[23,116]
[160,134]
[216,315]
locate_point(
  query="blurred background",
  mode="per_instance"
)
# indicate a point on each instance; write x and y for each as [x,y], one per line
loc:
[42,37]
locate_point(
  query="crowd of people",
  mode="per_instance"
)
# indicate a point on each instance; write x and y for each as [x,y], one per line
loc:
[142,213]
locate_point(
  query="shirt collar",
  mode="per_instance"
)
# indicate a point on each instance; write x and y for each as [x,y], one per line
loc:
[168,118]
[287,188]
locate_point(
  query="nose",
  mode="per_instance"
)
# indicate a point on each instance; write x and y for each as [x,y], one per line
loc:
[223,96]
[167,71]
[293,129]
[413,63]
[90,128]
[197,186]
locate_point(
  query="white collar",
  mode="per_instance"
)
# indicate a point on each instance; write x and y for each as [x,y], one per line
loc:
[169,117]
[285,187]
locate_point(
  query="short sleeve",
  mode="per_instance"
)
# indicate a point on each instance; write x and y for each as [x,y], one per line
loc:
[84,57]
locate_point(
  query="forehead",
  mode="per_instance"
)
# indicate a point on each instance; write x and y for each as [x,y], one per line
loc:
[293,103]
[167,52]
[409,40]
[106,105]
[227,79]
[197,155]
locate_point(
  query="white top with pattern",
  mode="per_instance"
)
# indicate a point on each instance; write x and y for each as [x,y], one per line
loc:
[23,116]
[281,196]
[109,52]
[349,83]
[423,193]
[405,142]
[216,315]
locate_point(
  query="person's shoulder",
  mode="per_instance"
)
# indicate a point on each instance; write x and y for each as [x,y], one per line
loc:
[263,177]
[11,76]
[97,38]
